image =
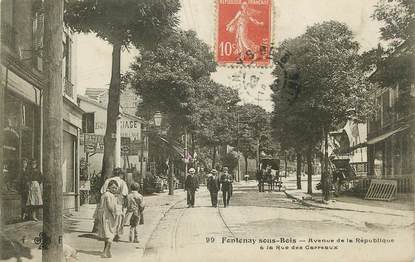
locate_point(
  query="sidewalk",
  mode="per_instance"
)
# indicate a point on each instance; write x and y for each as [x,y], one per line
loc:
[403,206]
[18,238]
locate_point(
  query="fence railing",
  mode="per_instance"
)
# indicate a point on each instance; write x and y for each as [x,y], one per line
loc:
[405,184]
[360,168]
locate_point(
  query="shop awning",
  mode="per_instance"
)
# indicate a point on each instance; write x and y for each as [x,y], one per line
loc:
[386,135]
[177,147]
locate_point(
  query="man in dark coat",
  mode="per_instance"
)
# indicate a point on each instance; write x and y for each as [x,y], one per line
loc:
[191,184]
[213,185]
[226,180]
[260,178]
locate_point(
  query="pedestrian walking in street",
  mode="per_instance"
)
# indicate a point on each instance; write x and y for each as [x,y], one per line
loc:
[120,195]
[226,181]
[213,185]
[34,196]
[269,178]
[107,216]
[260,179]
[135,205]
[191,184]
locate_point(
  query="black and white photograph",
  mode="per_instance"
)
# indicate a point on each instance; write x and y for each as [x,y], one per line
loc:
[207,130]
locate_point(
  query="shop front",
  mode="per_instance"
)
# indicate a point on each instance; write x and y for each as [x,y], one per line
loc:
[21,140]
[72,124]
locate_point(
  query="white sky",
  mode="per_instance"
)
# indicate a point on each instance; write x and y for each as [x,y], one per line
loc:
[291,19]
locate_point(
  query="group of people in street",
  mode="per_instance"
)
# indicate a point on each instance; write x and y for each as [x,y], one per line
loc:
[118,203]
[215,183]
[31,183]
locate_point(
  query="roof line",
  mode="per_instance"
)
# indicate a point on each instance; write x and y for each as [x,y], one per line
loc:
[92,101]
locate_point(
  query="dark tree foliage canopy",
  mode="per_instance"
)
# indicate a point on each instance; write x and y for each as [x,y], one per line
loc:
[394,63]
[398,17]
[333,86]
[142,23]
[213,119]
[167,77]
[254,128]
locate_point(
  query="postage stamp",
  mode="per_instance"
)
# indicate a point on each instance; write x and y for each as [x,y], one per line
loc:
[243,31]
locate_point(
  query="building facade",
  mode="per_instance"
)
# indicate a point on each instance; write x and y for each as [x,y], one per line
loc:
[132,150]
[391,139]
[22,84]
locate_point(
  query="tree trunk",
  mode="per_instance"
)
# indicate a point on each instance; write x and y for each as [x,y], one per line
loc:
[285,164]
[52,132]
[113,109]
[214,157]
[257,155]
[171,175]
[246,164]
[193,146]
[298,170]
[326,189]
[309,171]
[2,111]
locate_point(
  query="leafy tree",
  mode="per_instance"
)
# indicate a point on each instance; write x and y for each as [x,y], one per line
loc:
[394,64]
[166,77]
[254,134]
[213,118]
[398,17]
[333,87]
[121,23]
[230,160]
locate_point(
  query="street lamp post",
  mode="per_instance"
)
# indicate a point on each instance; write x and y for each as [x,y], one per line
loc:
[186,160]
[143,133]
[157,122]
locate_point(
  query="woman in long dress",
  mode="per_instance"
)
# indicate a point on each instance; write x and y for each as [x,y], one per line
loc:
[107,217]
[34,196]
[239,25]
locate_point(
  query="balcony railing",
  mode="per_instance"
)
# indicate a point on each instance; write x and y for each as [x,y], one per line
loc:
[68,88]
[8,35]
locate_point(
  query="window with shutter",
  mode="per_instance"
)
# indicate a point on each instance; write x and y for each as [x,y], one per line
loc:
[38,31]
[8,33]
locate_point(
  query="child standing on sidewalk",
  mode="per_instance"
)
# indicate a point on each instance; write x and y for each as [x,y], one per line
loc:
[135,205]
[106,216]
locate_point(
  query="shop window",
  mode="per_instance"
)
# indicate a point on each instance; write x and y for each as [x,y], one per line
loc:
[386,109]
[11,145]
[19,133]
[68,166]
[407,153]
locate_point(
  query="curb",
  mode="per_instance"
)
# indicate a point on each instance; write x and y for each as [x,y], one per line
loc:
[305,203]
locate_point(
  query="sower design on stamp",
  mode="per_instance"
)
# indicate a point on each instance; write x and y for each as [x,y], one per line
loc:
[244,32]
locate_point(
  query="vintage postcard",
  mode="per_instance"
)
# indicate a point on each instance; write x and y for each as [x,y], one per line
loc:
[214,130]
